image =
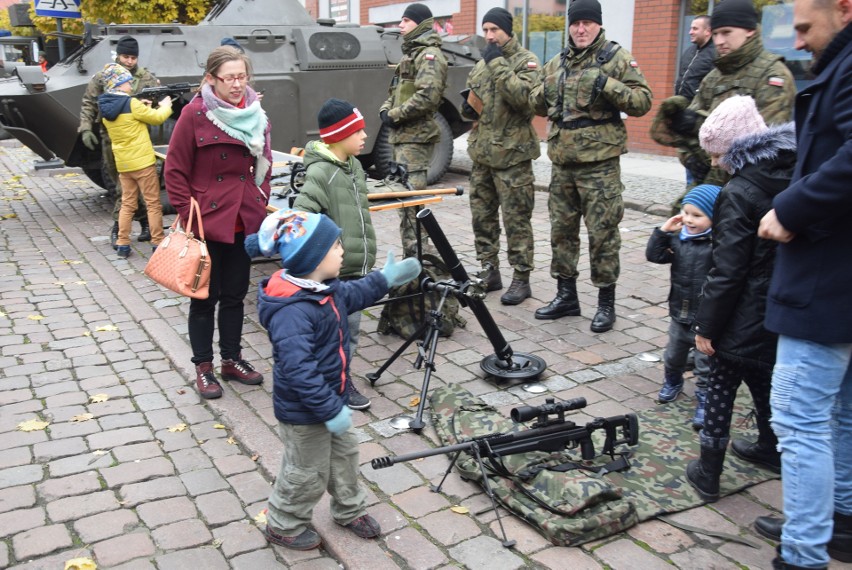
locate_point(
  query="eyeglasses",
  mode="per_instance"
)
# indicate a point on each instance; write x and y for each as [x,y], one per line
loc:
[242,78]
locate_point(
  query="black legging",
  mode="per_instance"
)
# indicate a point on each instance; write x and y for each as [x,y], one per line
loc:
[725,379]
[229,283]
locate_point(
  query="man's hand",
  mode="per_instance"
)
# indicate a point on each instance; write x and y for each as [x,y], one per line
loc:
[704,345]
[673,224]
[165,102]
[771,228]
[492,52]
[90,139]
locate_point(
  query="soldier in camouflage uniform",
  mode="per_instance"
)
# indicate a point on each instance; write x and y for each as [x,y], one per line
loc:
[585,90]
[742,67]
[414,96]
[127,55]
[502,145]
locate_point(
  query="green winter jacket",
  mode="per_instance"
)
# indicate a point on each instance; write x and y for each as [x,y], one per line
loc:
[417,87]
[502,135]
[339,190]
[584,99]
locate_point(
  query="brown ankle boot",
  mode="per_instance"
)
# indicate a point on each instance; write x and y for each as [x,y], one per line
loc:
[206,382]
[240,371]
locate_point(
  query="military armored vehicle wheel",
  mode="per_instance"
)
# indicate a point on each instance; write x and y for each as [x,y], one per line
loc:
[441,157]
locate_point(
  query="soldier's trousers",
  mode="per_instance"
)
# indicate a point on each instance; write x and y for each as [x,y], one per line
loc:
[109,170]
[591,190]
[510,190]
[415,157]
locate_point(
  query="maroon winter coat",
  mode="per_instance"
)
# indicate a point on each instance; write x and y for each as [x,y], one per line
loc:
[218,171]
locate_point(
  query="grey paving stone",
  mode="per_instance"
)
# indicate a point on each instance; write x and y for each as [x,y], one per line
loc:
[208,558]
[233,464]
[77,464]
[485,553]
[15,457]
[262,559]
[73,508]
[136,471]
[203,481]
[57,448]
[250,487]
[21,475]
[137,451]
[182,534]
[122,548]
[117,437]
[55,561]
[13,522]
[79,484]
[191,459]
[221,507]
[167,511]
[162,488]
[13,498]
[238,538]
[40,541]
[106,525]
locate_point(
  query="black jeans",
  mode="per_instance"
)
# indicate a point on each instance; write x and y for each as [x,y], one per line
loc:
[725,379]
[229,282]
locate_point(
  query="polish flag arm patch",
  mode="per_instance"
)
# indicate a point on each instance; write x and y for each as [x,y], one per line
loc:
[429,56]
[776,81]
[531,65]
[633,63]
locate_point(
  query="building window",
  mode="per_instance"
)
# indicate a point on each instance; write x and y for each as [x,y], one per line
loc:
[338,10]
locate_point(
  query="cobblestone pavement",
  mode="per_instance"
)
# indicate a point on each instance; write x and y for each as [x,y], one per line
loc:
[155,477]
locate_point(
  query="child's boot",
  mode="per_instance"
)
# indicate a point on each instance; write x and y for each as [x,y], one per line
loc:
[307,540]
[703,473]
[700,401]
[672,386]
[365,526]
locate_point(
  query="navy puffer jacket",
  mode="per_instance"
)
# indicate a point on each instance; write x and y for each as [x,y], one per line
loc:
[310,343]
[691,260]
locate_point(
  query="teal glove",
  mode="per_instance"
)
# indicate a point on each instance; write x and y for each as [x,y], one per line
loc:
[340,423]
[90,139]
[400,273]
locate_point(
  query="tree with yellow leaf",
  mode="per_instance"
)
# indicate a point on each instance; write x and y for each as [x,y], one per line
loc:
[128,12]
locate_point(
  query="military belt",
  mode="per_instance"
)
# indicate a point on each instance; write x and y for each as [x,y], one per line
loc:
[582,123]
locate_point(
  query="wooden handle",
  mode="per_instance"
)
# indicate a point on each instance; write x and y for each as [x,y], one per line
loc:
[458,191]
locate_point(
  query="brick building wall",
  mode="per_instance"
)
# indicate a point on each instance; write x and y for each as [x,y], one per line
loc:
[655,44]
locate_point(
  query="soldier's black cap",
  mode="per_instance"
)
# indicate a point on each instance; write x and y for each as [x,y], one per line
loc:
[734,13]
[585,10]
[417,12]
[127,45]
[501,18]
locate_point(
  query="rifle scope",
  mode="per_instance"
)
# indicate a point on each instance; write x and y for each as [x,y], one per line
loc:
[550,407]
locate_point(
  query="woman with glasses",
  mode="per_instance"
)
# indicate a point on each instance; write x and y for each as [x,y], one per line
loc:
[220,154]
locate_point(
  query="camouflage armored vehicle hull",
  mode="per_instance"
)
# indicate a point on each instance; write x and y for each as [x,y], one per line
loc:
[298,64]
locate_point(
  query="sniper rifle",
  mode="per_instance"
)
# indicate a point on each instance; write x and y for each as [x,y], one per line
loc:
[551,432]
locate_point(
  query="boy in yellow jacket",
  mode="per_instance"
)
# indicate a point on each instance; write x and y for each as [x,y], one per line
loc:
[126,120]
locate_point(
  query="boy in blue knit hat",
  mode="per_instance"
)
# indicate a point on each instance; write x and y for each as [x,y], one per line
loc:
[685,241]
[304,308]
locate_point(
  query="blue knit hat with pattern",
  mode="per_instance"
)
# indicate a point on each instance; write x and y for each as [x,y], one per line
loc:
[303,239]
[703,197]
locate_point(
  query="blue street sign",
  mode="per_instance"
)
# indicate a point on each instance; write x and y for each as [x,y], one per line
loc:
[58,8]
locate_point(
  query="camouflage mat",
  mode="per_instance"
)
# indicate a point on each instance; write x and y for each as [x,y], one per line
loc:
[654,485]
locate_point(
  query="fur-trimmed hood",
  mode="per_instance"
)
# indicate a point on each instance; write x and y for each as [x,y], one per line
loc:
[762,146]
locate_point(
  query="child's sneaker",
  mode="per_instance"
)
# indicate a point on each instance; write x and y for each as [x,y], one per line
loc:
[308,540]
[357,400]
[123,251]
[365,526]
[672,386]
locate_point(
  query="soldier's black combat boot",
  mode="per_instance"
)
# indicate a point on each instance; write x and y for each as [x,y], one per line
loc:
[565,304]
[145,232]
[490,276]
[703,473]
[605,317]
[113,236]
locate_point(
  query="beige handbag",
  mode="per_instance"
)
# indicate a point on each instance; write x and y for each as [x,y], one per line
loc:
[181,262]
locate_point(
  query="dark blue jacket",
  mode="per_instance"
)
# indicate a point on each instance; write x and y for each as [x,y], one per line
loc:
[691,260]
[310,343]
[811,292]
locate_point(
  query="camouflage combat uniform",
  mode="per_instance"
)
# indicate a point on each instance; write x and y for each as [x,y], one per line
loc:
[90,116]
[502,145]
[587,136]
[414,96]
[750,70]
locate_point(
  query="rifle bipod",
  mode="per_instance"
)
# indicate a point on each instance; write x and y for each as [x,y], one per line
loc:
[428,332]
[474,450]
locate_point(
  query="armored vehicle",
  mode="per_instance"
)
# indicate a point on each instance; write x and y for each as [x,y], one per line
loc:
[298,64]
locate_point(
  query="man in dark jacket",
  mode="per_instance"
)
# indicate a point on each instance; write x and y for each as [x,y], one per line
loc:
[810,303]
[697,60]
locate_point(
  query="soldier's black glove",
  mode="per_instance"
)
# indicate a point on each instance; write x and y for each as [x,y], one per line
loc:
[683,122]
[386,120]
[698,165]
[492,52]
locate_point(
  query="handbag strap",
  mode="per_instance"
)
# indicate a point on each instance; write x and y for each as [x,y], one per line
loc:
[195,213]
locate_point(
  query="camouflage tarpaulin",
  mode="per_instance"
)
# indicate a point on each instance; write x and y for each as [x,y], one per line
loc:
[592,506]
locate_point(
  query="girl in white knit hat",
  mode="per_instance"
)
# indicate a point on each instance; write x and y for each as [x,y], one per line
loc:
[729,323]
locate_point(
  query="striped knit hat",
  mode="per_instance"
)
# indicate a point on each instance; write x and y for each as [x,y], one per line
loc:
[338,119]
